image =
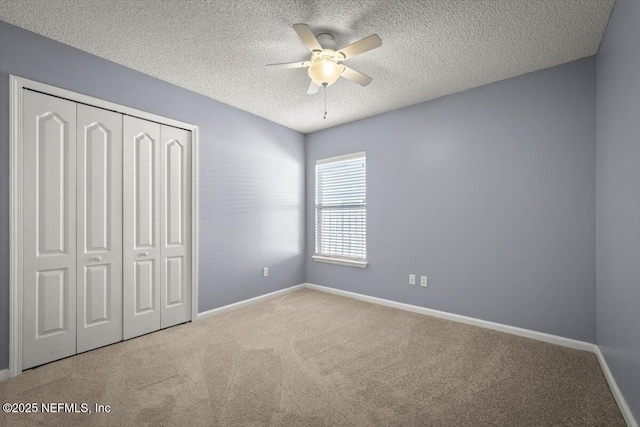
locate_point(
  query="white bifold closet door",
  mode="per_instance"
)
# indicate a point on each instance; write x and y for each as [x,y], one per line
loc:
[49,234]
[141,226]
[157,226]
[175,267]
[107,227]
[99,227]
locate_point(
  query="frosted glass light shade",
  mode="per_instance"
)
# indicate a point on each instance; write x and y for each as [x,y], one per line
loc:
[325,71]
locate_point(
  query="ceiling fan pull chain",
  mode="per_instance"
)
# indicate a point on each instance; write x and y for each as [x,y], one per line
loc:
[325,101]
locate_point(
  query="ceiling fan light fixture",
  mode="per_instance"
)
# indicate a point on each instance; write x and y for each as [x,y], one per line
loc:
[325,71]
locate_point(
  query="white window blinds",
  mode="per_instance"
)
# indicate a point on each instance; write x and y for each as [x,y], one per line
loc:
[341,207]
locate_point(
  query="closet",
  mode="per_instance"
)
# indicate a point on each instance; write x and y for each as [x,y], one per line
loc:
[106,227]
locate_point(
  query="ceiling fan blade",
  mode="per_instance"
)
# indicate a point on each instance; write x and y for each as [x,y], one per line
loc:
[356,76]
[366,44]
[313,88]
[308,39]
[286,65]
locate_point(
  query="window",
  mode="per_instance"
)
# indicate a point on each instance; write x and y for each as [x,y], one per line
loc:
[341,210]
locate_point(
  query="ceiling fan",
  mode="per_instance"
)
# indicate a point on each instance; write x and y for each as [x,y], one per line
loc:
[324,65]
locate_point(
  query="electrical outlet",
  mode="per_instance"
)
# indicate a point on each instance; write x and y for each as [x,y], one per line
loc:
[423,281]
[265,272]
[412,279]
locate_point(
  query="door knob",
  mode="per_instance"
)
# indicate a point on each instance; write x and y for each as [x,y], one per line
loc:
[98,258]
[144,254]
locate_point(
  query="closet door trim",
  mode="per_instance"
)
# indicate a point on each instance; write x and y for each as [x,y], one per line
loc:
[17,87]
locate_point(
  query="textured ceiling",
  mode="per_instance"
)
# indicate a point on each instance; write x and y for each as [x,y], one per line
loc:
[219,48]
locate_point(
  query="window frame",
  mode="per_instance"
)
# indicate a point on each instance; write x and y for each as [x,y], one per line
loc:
[336,258]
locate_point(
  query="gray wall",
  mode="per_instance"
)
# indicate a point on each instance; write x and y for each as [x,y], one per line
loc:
[618,199]
[489,192]
[251,171]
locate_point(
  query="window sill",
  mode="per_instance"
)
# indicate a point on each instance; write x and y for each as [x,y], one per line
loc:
[341,261]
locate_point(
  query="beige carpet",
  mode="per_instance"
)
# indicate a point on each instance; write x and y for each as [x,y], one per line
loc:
[309,358]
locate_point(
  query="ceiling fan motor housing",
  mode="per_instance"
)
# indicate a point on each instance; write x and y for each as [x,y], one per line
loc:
[327,41]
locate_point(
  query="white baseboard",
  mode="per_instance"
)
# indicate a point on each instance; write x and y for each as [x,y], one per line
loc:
[4,374]
[540,336]
[617,394]
[247,302]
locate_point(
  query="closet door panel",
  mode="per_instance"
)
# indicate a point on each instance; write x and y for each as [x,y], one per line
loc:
[99,245]
[141,226]
[175,158]
[49,235]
